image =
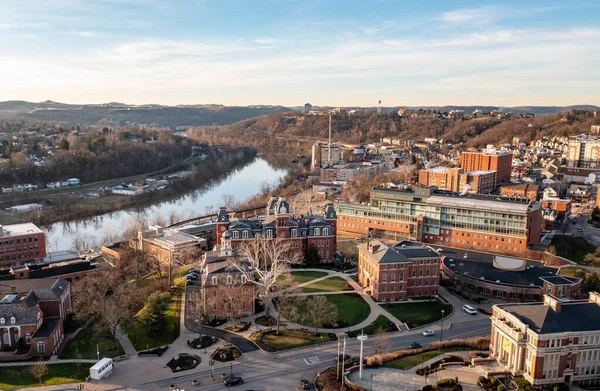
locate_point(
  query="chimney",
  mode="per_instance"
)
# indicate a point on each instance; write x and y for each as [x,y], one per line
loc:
[552,302]
[13,289]
[22,302]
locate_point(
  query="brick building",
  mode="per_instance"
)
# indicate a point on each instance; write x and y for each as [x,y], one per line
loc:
[521,190]
[21,244]
[456,180]
[398,272]
[557,341]
[584,152]
[169,244]
[489,159]
[303,231]
[430,216]
[32,313]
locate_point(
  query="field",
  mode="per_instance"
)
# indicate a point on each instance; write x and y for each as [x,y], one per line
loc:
[333,284]
[421,313]
[14,378]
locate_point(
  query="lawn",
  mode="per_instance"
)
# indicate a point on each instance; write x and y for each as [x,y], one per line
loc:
[417,359]
[351,310]
[418,314]
[333,284]
[87,341]
[572,247]
[302,277]
[572,271]
[138,336]
[14,378]
[290,339]
[381,321]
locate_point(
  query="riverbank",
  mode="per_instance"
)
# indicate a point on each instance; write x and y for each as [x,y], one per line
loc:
[73,207]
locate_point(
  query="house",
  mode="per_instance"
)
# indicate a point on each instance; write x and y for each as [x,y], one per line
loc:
[32,313]
[579,193]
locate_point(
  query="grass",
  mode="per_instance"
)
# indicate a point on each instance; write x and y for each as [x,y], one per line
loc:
[572,271]
[87,341]
[418,314]
[572,247]
[290,339]
[351,310]
[139,338]
[381,322]
[14,378]
[302,277]
[333,284]
[417,359]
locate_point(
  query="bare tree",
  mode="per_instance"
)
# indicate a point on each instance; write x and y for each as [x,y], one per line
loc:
[269,259]
[229,293]
[39,369]
[228,201]
[320,311]
[174,217]
[381,340]
[288,300]
[159,219]
[551,250]
[406,171]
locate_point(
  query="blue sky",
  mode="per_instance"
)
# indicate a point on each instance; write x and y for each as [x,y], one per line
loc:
[337,53]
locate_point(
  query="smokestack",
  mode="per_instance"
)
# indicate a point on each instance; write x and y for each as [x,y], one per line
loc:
[465,189]
[329,145]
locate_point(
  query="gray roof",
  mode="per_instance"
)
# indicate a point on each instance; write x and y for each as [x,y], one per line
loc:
[396,254]
[23,315]
[573,317]
[47,327]
[561,280]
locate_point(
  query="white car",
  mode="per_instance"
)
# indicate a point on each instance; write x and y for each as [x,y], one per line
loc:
[428,333]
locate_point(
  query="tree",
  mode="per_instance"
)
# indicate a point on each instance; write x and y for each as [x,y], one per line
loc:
[320,311]
[269,259]
[381,340]
[288,300]
[229,292]
[64,144]
[551,250]
[39,369]
[312,256]
[154,317]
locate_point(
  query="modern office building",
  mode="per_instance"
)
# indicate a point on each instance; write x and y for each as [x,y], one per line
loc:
[394,273]
[21,244]
[584,152]
[425,214]
[557,341]
[455,179]
[489,159]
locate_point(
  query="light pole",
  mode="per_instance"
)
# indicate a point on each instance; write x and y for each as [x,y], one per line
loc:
[442,333]
[371,382]
[362,338]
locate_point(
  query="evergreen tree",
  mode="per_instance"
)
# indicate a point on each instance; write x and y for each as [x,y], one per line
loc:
[312,256]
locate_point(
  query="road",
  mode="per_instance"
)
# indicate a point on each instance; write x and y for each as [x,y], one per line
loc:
[283,371]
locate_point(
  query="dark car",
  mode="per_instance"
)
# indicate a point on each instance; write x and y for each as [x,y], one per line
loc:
[414,345]
[305,384]
[341,357]
[233,380]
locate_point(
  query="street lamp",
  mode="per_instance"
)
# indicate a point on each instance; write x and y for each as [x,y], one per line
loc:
[442,332]
[362,338]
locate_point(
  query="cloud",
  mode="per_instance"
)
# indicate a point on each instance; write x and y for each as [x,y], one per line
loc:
[84,34]
[266,41]
[22,26]
[472,16]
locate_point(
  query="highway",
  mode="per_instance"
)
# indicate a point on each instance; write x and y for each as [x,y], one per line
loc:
[283,371]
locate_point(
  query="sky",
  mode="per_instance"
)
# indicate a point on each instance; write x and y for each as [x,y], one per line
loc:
[288,52]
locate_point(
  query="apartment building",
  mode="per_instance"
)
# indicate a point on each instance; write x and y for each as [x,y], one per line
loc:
[428,215]
[302,231]
[557,341]
[21,244]
[394,273]
[488,160]
[584,152]
[349,171]
[521,190]
[456,180]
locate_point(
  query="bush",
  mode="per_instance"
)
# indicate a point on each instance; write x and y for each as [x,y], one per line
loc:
[501,387]
[448,382]
[523,385]
[482,379]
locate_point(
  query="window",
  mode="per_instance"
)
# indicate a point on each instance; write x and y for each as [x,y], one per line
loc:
[244,279]
[269,234]
[229,280]
[245,234]
[325,231]
[13,320]
[28,338]
[236,234]
[317,231]
[2,321]
[294,233]
[214,280]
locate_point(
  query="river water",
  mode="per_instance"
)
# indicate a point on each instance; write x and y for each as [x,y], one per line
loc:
[241,184]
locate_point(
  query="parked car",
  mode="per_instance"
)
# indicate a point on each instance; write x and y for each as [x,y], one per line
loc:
[194,270]
[191,276]
[233,380]
[469,310]
[305,384]
[341,357]
[414,345]
[428,333]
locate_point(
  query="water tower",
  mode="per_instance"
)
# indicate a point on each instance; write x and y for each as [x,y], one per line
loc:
[379,108]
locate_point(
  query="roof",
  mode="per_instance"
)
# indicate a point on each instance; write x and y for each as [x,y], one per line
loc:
[573,317]
[561,280]
[23,315]
[60,256]
[44,289]
[478,203]
[47,328]
[19,230]
[401,252]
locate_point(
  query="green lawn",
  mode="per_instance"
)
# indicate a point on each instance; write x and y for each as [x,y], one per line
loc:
[138,336]
[573,248]
[14,378]
[87,341]
[381,321]
[572,271]
[333,284]
[417,359]
[418,314]
[351,310]
[290,339]
[302,277]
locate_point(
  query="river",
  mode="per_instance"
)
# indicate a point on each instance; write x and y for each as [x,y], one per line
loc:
[241,184]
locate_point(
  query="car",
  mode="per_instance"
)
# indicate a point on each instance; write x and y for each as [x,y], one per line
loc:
[580,229]
[466,256]
[339,357]
[305,384]
[414,345]
[191,276]
[428,333]
[233,380]
[469,310]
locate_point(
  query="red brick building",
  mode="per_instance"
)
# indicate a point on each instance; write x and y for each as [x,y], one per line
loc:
[488,160]
[398,272]
[302,231]
[21,244]
[32,313]
[521,190]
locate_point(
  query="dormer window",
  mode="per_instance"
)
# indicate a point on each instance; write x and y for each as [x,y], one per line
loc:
[294,233]
[229,280]
[317,231]
[325,231]
[2,321]
[236,235]
[244,279]
[214,280]
[13,320]
[269,234]
[245,234]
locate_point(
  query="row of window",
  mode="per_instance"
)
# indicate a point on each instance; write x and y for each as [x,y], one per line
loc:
[18,241]
[245,234]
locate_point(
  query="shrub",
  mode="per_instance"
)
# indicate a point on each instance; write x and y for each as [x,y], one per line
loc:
[482,379]
[501,387]
[494,381]
[448,382]
[523,385]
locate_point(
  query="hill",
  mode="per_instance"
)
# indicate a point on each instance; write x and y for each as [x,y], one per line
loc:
[537,110]
[111,114]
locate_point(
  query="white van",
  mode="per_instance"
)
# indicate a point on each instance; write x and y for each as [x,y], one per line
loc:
[469,310]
